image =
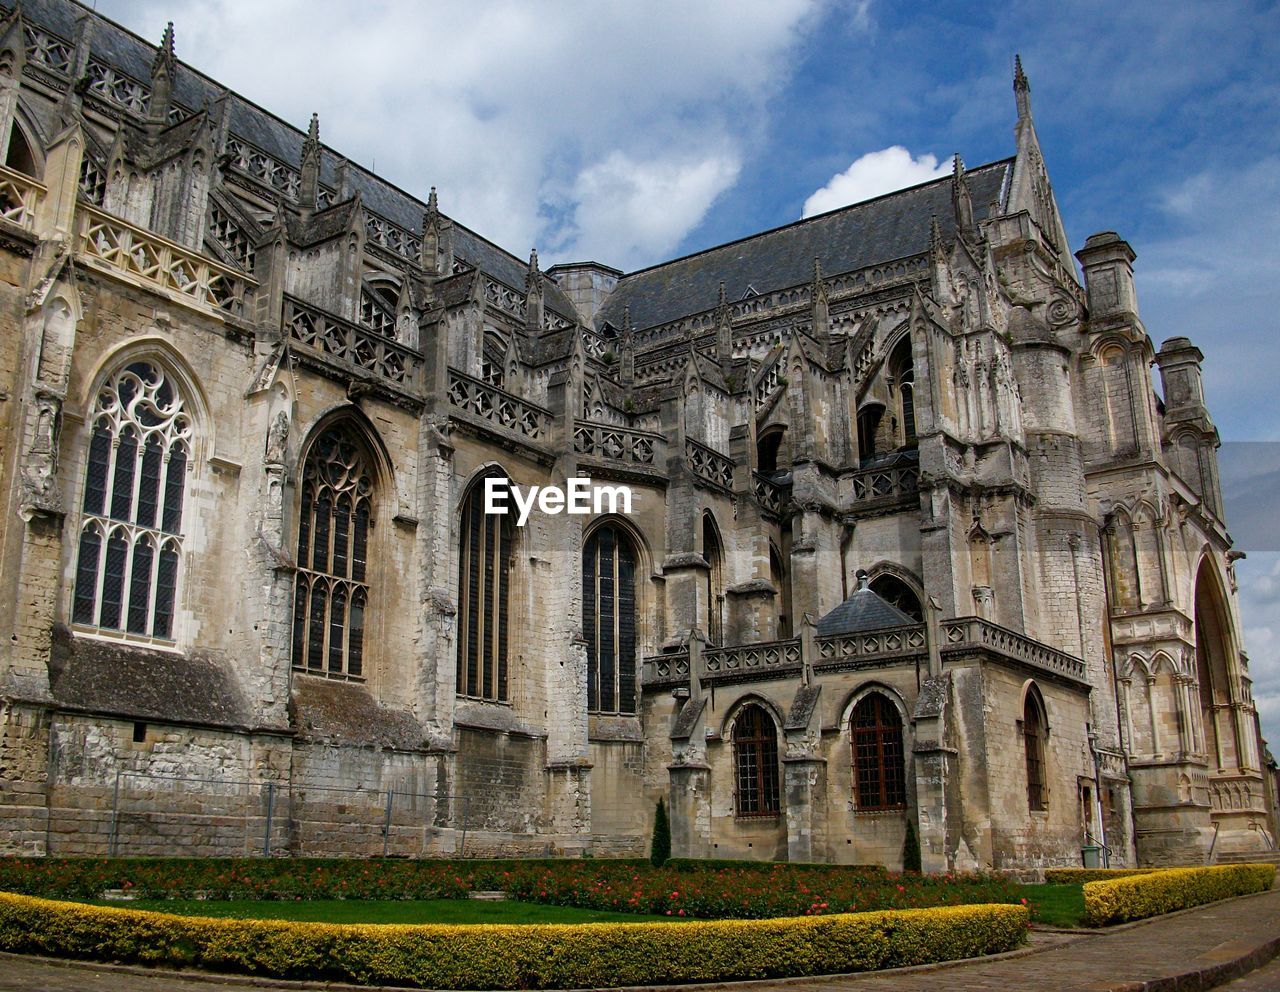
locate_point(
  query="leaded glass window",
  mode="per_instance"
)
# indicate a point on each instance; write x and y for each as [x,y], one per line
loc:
[484,587]
[331,596]
[755,759]
[1033,727]
[130,552]
[609,620]
[878,766]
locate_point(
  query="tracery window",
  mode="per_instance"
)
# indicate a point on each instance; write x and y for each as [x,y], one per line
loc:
[878,768]
[1033,734]
[903,374]
[484,589]
[331,596]
[135,483]
[713,591]
[609,620]
[755,758]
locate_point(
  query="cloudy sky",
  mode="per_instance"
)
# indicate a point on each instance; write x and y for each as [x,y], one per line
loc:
[631,132]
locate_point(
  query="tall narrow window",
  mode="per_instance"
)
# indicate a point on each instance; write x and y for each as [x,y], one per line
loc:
[903,373]
[131,528]
[609,620]
[1033,732]
[878,769]
[484,584]
[755,757]
[333,541]
[713,590]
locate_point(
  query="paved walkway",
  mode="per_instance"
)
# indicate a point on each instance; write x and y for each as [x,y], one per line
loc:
[1177,951]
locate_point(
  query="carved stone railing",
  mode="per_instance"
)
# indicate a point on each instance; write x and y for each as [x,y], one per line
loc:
[112,84]
[504,298]
[708,465]
[19,196]
[352,344]
[48,50]
[870,647]
[770,497]
[618,444]
[498,407]
[886,485]
[769,659]
[769,379]
[974,632]
[253,162]
[666,669]
[392,237]
[113,245]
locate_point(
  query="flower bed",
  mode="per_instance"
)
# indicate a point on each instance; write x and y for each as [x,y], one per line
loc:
[511,957]
[704,890]
[1168,890]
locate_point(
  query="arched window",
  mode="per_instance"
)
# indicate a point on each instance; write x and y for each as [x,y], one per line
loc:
[902,370]
[767,448]
[879,772]
[714,586]
[781,578]
[1034,726]
[135,483]
[868,427]
[332,592]
[755,756]
[1213,649]
[484,587]
[609,620]
[893,590]
[20,157]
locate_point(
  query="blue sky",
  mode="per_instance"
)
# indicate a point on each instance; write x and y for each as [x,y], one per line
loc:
[630,133]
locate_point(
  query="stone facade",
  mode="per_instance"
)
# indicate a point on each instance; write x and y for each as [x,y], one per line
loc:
[250,393]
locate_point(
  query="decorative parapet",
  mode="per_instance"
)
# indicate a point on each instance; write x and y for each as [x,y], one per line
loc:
[709,466]
[870,648]
[666,670]
[498,407]
[886,486]
[618,444]
[770,497]
[112,245]
[392,237]
[747,662]
[48,50]
[263,168]
[19,195]
[353,345]
[513,303]
[967,633]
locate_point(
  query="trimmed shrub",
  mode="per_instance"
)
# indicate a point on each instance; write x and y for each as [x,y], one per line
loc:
[1154,893]
[911,848]
[1078,876]
[513,957]
[660,848]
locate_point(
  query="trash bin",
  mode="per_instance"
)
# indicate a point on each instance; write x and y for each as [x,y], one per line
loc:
[1092,856]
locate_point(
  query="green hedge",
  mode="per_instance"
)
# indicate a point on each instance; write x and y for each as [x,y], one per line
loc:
[719,864]
[1154,893]
[1078,876]
[513,957]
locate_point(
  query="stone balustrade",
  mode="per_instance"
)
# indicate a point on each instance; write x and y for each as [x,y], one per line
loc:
[353,345]
[19,196]
[709,465]
[619,444]
[498,407]
[115,246]
[742,663]
[886,486]
[974,632]
[771,497]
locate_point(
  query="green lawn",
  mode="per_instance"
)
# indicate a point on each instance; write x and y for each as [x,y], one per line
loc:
[1055,905]
[383,911]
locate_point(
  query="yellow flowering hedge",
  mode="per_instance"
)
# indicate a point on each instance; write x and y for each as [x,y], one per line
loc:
[538,956]
[1140,896]
[1078,876]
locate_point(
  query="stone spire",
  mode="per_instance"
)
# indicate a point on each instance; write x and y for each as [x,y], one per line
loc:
[431,258]
[163,71]
[533,293]
[724,330]
[961,200]
[626,348]
[309,187]
[820,304]
[1021,89]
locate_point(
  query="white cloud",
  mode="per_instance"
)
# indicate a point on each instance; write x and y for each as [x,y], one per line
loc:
[515,110]
[874,174]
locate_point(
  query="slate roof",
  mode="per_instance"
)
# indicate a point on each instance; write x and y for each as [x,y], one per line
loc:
[127,52]
[862,611]
[888,227]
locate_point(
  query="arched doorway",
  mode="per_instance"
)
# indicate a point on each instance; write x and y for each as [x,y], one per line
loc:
[1213,670]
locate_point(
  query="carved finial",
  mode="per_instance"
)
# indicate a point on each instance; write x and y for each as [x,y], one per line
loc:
[724,297]
[935,234]
[533,294]
[433,205]
[864,580]
[626,320]
[532,278]
[166,53]
[960,198]
[309,187]
[1021,88]
[313,134]
[957,168]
